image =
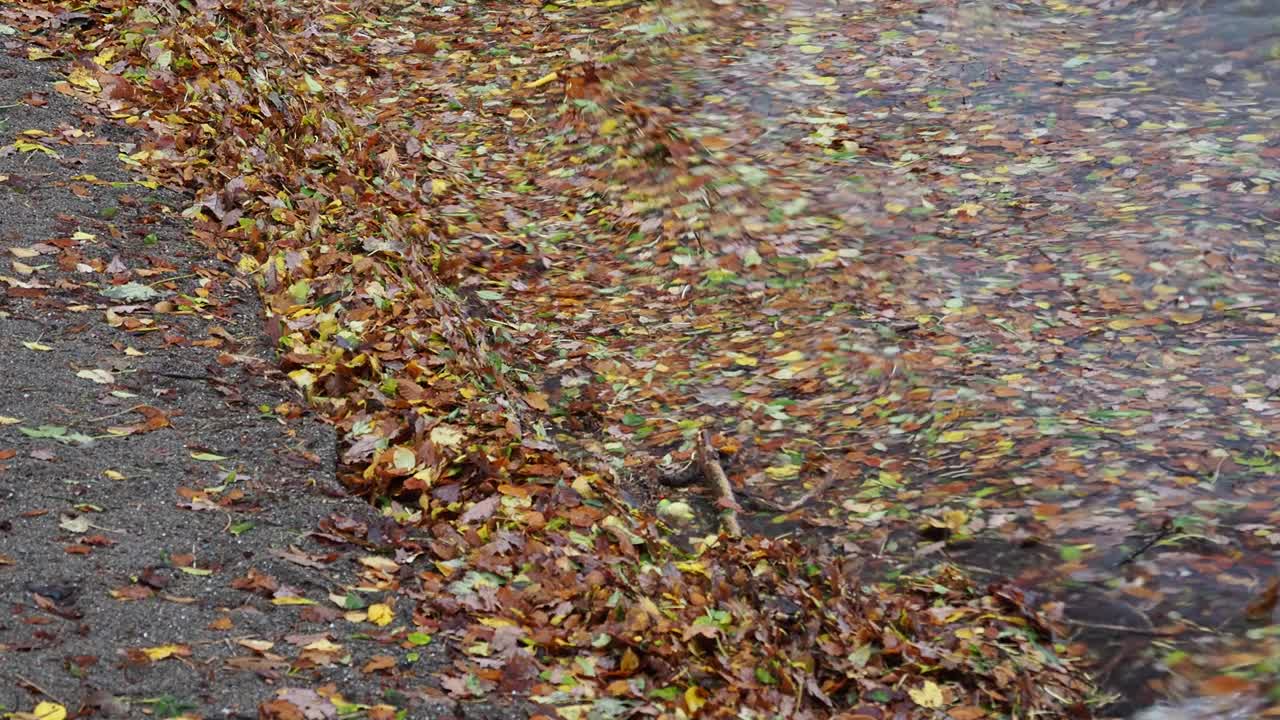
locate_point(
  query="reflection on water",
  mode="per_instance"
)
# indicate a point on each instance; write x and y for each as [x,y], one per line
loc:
[1120,159]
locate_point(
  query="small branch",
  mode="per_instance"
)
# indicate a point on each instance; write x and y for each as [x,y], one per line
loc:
[1165,529]
[1151,632]
[36,688]
[800,501]
[719,483]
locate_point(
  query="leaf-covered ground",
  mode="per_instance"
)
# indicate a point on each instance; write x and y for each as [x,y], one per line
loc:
[173,539]
[940,278]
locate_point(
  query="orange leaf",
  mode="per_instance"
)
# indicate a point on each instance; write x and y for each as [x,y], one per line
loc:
[1225,685]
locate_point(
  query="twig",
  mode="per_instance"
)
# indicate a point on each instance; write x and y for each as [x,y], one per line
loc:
[800,501]
[182,376]
[1165,528]
[719,483]
[173,279]
[1151,632]
[23,681]
[126,411]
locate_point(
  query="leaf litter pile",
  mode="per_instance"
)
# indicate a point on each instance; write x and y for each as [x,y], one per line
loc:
[902,276]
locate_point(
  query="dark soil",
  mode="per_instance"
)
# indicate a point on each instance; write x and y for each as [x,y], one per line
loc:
[113,542]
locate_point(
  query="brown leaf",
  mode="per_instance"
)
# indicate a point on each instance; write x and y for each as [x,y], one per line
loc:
[378,662]
[1225,685]
[1262,605]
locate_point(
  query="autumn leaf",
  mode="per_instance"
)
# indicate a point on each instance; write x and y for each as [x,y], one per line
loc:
[161,652]
[49,711]
[928,695]
[381,614]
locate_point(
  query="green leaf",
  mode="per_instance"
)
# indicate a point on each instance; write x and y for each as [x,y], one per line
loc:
[418,639]
[207,457]
[299,291]
[57,432]
[131,291]
[44,431]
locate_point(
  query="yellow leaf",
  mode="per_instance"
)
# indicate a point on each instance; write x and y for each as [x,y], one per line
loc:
[160,652]
[1121,324]
[49,711]
[7,420]
[291,600]
[1252,138]
[403,459]
[446,436]
[378,562]
[818,80]
[381,614]
[694,698]
[438,186]
[1186,318]
[793,356]
[929,696]
[811,49]
[609,126]
[303,377]
[324,645]
[113,475]
[955,519]
[81,78]
[36,346]
[693,566]
[548,78]
[745,361]
[953,436]
[894,207]
[782,472]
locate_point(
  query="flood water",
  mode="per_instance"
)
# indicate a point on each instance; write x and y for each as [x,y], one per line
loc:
[1061,227]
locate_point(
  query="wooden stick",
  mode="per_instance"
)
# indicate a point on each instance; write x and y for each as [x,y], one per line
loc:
[1151,632]
[800,501]
[719,483]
